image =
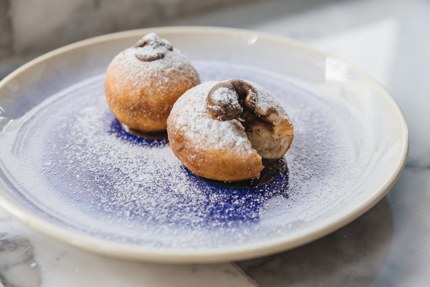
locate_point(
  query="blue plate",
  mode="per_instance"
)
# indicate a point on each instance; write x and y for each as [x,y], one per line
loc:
[69,169]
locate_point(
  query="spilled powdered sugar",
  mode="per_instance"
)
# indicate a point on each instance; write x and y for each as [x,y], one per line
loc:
[77,168]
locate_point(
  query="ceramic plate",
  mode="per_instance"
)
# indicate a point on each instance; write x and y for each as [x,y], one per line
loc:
[69,170]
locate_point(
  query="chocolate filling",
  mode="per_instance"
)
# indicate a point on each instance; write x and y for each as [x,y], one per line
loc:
[246,112]
[158,49]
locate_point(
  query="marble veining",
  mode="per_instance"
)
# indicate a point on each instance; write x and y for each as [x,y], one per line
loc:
[387,246]
[352,256]
[16,257]
[28,259]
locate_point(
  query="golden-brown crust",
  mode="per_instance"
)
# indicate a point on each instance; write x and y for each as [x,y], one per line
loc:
[141,100]
[212,163]
[211,142]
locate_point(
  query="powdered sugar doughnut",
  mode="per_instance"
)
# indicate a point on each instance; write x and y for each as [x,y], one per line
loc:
[223,130]
[143,82]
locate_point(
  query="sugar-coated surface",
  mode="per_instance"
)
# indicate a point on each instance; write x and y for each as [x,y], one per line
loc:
[225,96]
[193,120]
[70,158]
[265,101]
[151,47]
[156,75]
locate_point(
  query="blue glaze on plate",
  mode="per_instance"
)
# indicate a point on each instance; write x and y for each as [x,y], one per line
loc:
[220,204]
[71,162]
[159,139]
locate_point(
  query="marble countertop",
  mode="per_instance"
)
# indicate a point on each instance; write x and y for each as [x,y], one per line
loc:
[28,259]
[388,246]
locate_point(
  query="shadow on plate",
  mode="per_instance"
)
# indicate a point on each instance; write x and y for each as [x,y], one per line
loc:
[224,203]
[352,256]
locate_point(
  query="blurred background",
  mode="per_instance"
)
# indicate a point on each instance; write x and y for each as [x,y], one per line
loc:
[389,39]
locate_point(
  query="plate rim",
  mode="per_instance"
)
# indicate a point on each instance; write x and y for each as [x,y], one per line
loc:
[266,247]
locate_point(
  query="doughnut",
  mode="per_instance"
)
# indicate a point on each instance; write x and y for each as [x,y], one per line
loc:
[224,130]
[144,81]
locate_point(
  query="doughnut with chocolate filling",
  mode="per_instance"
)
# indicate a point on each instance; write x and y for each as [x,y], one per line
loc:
[144,81]
[222,131]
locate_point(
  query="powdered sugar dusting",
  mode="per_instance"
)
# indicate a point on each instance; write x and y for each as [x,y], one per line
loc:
[76,168]
[158,75]
[265,102]
[192,119]
[154,38]
[152,48]
[225,96]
